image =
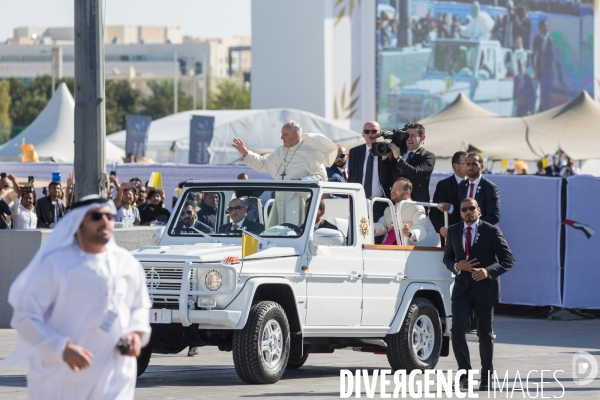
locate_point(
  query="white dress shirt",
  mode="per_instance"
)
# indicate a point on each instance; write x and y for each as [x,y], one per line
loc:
[23,218]
[474,227]
[376,189]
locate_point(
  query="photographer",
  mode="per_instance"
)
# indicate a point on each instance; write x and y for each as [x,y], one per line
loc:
[416,164]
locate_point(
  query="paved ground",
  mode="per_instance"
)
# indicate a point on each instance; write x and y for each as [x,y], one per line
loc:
[522,344]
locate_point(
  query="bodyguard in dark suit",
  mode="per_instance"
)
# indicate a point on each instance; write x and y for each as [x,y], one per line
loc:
[237,213]
[365,168]
[416,164]
[338,172]
[543,62]
[446,194]
[477,253]
[51,208]
[481,189]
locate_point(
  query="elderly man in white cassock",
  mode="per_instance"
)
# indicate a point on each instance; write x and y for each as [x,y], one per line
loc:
[78,298]
[302,156]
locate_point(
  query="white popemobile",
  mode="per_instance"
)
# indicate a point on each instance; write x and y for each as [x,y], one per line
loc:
[307,292]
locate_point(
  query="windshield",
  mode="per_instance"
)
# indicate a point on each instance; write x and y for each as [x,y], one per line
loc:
[453,59]
[223,212]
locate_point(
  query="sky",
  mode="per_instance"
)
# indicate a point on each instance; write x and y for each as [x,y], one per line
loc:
[198,18]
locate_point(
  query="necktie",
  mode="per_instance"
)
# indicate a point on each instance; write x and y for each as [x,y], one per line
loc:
[368,185]
[468,242]
[234,227]
[55,213]
[471,190]
[345,175]
[410,156]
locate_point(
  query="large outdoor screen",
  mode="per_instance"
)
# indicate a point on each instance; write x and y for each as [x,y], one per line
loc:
[512,59]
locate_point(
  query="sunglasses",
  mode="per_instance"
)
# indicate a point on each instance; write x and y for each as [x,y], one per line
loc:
[342,155]
[370,131]
[232,209]
[188,212]
[470,208]
[97,216]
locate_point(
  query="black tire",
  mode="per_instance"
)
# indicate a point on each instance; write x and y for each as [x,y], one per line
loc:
[403,352]
[143,360]
[295,363]
[266,318]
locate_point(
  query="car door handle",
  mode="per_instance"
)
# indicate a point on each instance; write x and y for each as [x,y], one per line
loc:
[354,275]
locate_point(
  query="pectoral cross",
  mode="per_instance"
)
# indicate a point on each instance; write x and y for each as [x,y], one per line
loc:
[283,175]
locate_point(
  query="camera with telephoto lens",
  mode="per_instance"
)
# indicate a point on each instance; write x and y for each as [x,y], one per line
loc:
[397,136]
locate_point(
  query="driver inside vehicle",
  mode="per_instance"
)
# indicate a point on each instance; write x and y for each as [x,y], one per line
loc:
[188,221]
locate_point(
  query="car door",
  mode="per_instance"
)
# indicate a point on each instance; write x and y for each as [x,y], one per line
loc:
[334,276]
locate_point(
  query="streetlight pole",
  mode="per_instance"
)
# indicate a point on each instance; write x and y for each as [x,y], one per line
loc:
[90,117]
[175,88]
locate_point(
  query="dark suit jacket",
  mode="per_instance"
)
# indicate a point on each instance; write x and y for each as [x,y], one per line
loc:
[45,211]
[334,174]
[250,226]
[328,225]
[418,171]
[487,196]
[491,251]
[356,164]
[446,191]
[543,58]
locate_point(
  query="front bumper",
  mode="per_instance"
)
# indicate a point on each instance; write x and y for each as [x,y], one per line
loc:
[217,319]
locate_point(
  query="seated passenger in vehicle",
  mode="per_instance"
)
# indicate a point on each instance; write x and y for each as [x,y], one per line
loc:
[208,210]
[188,221]
[237,213]
[320,222]
[414,219]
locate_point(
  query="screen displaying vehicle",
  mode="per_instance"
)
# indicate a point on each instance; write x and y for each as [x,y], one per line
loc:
[511,58]
[218,211]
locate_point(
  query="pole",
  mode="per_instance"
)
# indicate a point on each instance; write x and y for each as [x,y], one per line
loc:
[90,118]
[175,94]
[204,66]
[194,92]
[57,66]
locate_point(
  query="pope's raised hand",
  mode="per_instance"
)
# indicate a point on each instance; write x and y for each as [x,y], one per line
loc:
[240,146]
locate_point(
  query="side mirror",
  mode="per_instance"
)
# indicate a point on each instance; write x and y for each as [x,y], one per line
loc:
[328,237]
[157,234]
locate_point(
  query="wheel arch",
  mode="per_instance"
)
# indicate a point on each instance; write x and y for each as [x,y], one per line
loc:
[280,291]
[428,291]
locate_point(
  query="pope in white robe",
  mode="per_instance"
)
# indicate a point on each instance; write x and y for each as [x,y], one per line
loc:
[303,157]
[71,308]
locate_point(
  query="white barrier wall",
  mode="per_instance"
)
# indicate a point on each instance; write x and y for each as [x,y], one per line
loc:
[18,247]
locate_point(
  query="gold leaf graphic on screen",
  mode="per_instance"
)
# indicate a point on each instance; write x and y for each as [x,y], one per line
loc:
[345,5]
[347,103]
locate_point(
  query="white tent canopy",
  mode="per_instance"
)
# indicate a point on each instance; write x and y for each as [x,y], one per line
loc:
[53,132]
[168,137]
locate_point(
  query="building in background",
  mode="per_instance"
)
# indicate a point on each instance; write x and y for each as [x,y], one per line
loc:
[136,53]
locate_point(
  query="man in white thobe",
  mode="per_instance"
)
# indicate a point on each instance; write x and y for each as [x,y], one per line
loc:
[79,296]
[302,156]
[414,219]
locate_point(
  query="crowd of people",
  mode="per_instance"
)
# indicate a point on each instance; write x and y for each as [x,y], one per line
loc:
[19,208]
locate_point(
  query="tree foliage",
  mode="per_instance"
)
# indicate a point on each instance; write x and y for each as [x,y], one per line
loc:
[230,96]
[160,104]
[121,99]
[5,101]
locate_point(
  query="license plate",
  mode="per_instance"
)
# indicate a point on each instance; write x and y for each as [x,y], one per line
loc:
[160,316]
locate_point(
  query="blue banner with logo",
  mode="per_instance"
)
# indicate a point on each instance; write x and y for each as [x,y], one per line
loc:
[201,134]
[136,127]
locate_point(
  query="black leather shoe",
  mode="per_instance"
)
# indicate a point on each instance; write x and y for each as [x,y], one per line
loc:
[484,386]
[463,385]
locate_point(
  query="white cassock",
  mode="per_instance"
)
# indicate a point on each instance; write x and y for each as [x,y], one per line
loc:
[67,295]
[305,161]
[412,215]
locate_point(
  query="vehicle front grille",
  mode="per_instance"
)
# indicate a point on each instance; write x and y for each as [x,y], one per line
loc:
[165,278]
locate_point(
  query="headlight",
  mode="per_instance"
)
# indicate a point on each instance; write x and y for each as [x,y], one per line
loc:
[213,280]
